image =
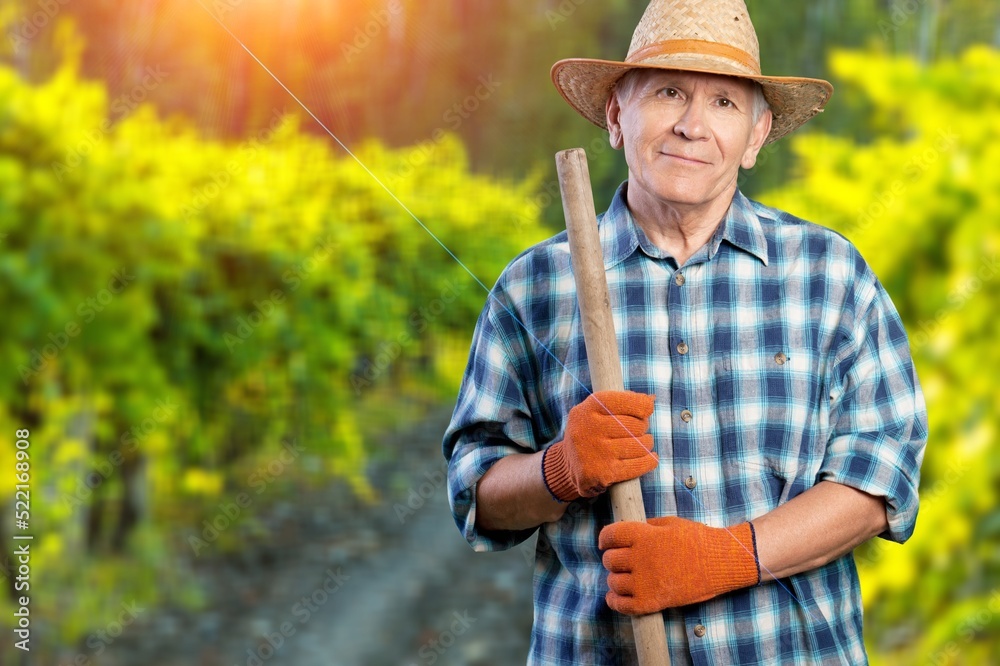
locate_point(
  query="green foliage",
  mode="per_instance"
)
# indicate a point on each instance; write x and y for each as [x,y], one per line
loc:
[921,203]
[367,65]
[271,291]
[185,307]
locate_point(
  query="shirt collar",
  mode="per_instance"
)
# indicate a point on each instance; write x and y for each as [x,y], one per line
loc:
[742,228]
[621,236]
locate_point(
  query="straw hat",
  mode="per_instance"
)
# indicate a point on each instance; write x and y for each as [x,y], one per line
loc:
[712,36]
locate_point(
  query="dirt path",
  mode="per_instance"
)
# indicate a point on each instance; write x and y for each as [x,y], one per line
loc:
[429,600]
[343,584]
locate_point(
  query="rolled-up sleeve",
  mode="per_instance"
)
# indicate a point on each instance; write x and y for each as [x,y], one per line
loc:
[878,418]
[492,419]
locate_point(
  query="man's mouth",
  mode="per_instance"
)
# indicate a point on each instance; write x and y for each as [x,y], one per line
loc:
[684,159]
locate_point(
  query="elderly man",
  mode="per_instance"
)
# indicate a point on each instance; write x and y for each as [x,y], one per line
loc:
[773,412]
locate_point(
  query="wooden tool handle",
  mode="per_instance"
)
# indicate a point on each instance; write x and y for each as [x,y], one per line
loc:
[602,354]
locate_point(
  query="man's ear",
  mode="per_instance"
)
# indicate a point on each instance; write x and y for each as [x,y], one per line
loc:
[757,137]
[613,112]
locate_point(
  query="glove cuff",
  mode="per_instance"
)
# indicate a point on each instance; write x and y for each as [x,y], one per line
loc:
[734,558]
[556,474]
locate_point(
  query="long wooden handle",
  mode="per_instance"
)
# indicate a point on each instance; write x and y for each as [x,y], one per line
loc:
[602,354]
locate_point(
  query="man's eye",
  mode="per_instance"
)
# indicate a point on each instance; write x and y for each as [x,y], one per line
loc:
[670,92]
[725,103]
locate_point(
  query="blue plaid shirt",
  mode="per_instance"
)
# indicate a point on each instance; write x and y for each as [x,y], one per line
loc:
[794,369]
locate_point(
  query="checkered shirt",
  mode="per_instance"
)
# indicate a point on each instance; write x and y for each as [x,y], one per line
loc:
[777,360]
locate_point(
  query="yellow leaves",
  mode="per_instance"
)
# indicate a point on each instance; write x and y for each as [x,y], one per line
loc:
[922,203]
[895,184]
[50,548]
[198,481]
[156,444]
[451,355]
[899,571]
[347,463]
[70,450]
[211,230]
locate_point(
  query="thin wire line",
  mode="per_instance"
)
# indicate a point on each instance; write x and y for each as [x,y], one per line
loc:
[478,281]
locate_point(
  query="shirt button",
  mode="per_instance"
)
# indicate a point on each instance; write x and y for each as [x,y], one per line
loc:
[699,630]
[686,416]
[679,279]
[690,483]
[780,358]
[682,348]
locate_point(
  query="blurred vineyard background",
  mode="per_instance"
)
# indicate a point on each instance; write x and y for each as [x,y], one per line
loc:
[212,310]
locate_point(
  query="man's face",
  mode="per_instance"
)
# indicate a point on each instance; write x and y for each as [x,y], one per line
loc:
[685,136]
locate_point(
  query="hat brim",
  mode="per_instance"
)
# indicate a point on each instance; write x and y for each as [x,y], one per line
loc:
[587,83]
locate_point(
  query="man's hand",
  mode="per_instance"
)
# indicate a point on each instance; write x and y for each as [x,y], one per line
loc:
[605,443]
[670,562]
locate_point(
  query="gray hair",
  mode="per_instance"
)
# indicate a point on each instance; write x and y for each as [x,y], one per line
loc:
[626,85]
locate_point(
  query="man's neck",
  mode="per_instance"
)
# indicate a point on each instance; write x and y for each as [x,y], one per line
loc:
[678,229]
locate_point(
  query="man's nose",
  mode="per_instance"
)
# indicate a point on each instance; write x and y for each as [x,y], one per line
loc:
[691,124]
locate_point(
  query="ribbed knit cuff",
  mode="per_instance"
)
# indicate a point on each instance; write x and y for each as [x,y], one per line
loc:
[556,474]
[734,562]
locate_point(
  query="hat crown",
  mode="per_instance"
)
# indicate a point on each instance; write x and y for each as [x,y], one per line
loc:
[725,22]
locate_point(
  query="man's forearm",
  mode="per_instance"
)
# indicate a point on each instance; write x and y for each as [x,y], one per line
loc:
[512,495]
[817,527]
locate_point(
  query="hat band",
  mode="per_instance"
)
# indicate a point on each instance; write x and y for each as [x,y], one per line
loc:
[695,46]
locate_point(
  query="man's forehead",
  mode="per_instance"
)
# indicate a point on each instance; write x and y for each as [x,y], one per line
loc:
[680,78]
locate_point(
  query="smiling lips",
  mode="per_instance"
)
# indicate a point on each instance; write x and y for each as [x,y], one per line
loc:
[681,158]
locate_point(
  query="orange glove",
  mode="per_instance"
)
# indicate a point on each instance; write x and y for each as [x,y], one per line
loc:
[670,562]
[605,443]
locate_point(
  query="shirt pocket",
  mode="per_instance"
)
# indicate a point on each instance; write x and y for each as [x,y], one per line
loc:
[765,398]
